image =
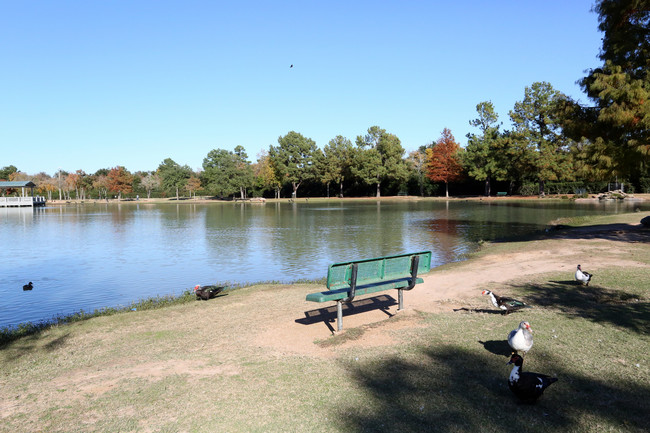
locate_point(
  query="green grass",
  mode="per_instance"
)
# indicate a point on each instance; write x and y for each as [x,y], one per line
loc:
[12,333]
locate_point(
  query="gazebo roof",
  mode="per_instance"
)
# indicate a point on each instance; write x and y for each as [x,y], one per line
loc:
[21,184]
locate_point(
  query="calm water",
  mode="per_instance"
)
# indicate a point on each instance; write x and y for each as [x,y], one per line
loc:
[97,255]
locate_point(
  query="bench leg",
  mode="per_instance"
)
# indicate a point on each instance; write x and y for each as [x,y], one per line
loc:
[339,316]
[400,299]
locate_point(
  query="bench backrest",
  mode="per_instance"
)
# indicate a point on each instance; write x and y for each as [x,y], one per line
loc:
[371,271]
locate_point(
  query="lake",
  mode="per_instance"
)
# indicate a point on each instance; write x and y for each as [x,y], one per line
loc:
[94,255]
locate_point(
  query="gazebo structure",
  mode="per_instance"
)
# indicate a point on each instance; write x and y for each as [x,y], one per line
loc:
[25,199]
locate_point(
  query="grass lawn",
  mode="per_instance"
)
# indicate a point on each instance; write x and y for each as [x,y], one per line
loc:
[198,367]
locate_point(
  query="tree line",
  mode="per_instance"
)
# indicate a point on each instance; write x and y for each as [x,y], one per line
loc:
[553,144]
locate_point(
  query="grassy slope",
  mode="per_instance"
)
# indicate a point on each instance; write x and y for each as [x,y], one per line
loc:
[187,368]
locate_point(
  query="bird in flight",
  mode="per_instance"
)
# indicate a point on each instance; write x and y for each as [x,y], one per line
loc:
[290,66]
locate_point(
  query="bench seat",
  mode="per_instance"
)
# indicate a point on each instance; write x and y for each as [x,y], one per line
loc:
[346,280]
[338,294]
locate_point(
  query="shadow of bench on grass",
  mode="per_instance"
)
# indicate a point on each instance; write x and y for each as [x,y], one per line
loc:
[328,315]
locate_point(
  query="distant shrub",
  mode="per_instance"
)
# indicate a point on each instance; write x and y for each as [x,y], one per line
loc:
[529,189]
[644,183]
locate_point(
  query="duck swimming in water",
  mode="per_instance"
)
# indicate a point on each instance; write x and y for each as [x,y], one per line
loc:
[29,286]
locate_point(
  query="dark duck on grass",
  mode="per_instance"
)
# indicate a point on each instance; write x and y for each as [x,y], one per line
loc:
[506,305]
[521,339]
[207,292]
[29,286]
[526,385]
[582,276]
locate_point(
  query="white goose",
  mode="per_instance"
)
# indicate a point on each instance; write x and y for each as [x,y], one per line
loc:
[521,339]
[582,276]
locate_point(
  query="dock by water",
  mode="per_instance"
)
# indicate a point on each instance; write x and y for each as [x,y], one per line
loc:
[22,201]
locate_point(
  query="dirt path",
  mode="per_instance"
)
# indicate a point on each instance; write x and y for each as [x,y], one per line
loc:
[595,247]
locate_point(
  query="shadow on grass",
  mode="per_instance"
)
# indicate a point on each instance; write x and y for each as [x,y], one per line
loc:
[32,343]
[480,310]
[327,314]
[450,389]
[613,232]
[617,307]
[498,347]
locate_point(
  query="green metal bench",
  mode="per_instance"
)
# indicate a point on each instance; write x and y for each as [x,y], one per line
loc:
[501,193]
[349,279]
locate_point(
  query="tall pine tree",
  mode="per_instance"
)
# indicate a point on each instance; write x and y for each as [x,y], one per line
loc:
[616,129]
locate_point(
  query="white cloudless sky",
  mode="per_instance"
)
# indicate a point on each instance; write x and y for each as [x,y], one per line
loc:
[96,84]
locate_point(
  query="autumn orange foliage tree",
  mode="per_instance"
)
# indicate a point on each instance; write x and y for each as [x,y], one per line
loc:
[120,181]
[443,160]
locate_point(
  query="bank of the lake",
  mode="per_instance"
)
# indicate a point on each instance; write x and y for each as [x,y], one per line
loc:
[247,362]
[94,255]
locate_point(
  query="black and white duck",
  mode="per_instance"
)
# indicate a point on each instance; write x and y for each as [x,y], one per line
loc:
[29,286]
[506,305]
[207,292]
[582,276]
[521,339]
[526,385]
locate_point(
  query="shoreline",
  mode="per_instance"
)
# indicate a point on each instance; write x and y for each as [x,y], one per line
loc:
[206,200]
[13,332]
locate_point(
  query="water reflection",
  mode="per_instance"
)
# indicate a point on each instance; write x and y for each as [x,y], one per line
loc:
[96,255]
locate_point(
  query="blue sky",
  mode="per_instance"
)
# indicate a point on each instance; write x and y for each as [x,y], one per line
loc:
[96,84]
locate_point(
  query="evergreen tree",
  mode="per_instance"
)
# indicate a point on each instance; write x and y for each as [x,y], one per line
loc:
[615,131]
[293,159]
[5,172]
[221,172]
[378,157]
[482,158]
[173,176]
[535,121]
[243,176]
[334,166]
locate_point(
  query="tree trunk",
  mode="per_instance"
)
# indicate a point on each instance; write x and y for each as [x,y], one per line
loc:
[341,189]
[446,190]
[487,186]
[541,188]
[177,198]
[378,189]
[328,190]
[295,186]
[242,193]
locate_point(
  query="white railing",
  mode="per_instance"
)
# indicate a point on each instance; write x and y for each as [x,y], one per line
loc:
[22,201]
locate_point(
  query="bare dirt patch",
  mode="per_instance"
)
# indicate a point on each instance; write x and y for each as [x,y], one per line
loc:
[594,247]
